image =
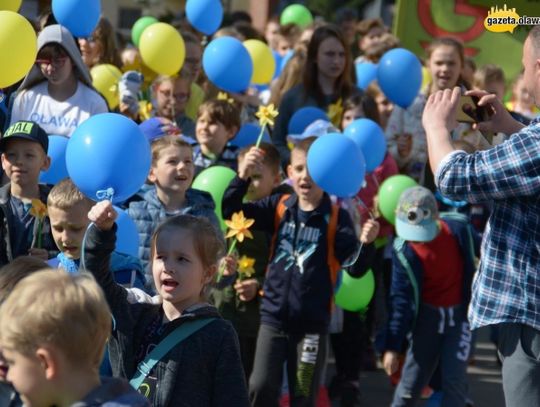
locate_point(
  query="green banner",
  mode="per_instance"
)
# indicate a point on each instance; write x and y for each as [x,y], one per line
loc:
[417,22]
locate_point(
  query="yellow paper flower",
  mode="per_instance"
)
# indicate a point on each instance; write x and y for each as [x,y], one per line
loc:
[238,226]
[335,112]
[267,114]
[38,209]
[245,266]
[225,96]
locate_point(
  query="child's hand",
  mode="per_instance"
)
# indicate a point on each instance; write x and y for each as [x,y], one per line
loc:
[103,215]
[370,231]
[229,264]
[41,254]
[246,289]
[390,362]
[251,163]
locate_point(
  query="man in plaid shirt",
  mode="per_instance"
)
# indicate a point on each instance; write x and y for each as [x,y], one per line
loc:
[506,290]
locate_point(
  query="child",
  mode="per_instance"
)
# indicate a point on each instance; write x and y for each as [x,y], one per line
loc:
[217,123]
[369,32]
[53,346]
[203,369]
[239,301]
[522,101]
[172,174]
[384,105]
[57,93]
[286,37]
[433,266]
[295,307]
[68,214]
[24,154]
[171,94]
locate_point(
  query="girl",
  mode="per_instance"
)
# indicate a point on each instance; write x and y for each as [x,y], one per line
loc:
[100,47]
[327,82]
[203,369]
[57,93]
[384,106]
[172,174]
[405,134]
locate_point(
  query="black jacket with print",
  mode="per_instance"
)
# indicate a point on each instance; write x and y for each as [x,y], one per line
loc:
[298,288]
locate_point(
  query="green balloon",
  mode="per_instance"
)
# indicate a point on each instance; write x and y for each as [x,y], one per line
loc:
[140,25]
[389,193]
[215,181]
[354,294]
[296,14]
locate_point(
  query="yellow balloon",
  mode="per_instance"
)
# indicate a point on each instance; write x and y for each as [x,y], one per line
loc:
[105,78]
[264,64]
[426,78]
[162,49]
[18,47]
[11,5]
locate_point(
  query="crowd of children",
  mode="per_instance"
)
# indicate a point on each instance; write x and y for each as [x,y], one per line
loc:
[191,320]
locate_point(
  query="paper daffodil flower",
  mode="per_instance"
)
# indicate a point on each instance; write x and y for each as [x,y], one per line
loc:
[224,96]
[267,114]
[245,266]
[38,209]
[238,226]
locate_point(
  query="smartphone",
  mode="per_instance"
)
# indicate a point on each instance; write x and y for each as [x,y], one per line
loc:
[470,112]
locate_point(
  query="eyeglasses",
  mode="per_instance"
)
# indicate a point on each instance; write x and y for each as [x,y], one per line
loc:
[181,97]
[56,62]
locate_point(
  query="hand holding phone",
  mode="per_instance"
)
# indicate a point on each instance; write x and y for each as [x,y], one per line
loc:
[469,111]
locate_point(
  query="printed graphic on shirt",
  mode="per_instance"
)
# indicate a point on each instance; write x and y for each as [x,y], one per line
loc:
[296,253]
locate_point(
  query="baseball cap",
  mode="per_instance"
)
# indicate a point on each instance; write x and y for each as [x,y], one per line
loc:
[28,131]
[417,215]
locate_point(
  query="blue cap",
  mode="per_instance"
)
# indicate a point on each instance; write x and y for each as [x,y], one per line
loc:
[417,216]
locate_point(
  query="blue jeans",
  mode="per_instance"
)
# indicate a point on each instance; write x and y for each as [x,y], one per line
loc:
[441,335]
[519,349]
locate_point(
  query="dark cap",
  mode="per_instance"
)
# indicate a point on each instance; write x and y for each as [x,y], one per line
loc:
[28,131]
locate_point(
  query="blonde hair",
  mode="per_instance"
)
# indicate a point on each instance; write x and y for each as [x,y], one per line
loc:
[65,195]
[291,74]
[488,73]
[67,311]
[166,141]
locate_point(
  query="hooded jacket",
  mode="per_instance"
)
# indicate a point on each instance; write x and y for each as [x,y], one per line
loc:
[113,393]
[203,370]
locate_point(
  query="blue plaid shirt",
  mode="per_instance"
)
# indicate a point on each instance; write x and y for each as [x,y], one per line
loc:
[507,285]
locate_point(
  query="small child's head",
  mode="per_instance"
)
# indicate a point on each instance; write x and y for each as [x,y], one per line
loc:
[171,94]
[185,251]
[172,167]
[417,216]
[68,213]
[357,107]
[445,60]
[490,78]
[269,177]
[369,32]
[521,93]
[61,335]
[218,121]
[24,152]
[384,106]
[271,30]
[302,183]
[192,63]
[286,38]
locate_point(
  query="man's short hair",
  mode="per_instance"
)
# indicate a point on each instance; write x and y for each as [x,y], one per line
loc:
[53,308]
[65,195]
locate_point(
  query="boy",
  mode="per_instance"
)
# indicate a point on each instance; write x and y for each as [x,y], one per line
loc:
[217,123]
[68,214]
[433,266]
[297,293]
[24,154]
[238,301]
[53,346]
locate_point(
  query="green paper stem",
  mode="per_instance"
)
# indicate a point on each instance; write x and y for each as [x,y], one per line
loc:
[259,138]
[220,271]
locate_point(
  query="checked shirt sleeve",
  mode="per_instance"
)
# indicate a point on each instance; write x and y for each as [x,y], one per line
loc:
[509,170]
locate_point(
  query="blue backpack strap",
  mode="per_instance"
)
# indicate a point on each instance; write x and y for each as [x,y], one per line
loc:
[399,243]
[460,217]
[170,341]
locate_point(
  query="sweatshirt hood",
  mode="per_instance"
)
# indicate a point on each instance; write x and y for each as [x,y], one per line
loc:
[57,34]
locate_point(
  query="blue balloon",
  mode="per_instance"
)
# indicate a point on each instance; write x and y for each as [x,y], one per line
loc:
[227,64]
[80,17]
[369,137]
[278,60]
[107,151]
[366,72]
[400,76]
[57,151]
[127,235]
[205,15]
[285,58]
[336,165]
[304,117]
[248,134]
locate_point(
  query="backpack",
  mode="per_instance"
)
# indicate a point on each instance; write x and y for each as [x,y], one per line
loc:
[333,264]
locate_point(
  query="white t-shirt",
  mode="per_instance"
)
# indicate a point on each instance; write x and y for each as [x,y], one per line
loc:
[57,118]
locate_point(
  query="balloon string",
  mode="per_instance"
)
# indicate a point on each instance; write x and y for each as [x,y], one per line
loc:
[101,195]
[363,205]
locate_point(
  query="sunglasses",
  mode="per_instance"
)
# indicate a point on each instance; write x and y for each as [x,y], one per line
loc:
[56,62]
